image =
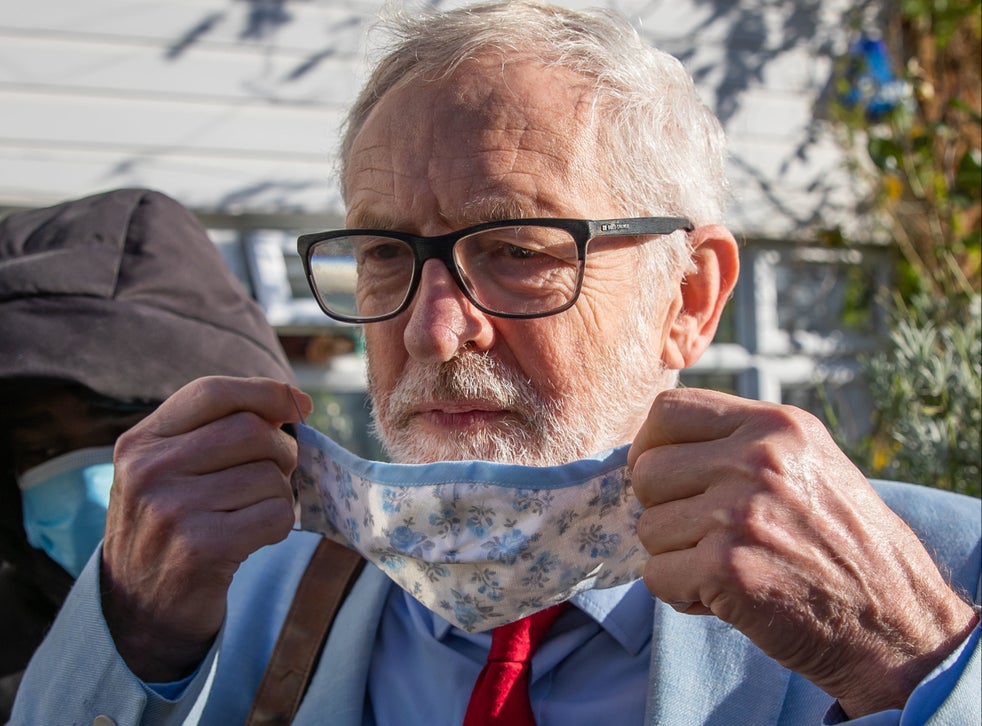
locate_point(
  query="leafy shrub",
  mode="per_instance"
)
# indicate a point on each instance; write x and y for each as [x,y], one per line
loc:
[927,386]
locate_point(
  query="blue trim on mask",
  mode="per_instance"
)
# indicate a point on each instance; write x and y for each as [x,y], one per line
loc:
[472,472]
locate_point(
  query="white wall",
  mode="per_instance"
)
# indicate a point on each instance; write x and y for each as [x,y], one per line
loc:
[233,106]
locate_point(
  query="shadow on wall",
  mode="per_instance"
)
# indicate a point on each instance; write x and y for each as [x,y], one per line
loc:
[751,37]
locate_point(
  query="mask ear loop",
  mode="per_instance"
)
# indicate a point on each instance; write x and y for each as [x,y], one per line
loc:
[296,405]
[291,429]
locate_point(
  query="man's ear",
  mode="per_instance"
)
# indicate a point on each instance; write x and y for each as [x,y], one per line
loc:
[702,294]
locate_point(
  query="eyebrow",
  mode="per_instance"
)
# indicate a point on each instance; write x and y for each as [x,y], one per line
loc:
[372,220]
[497,208]
[485,209]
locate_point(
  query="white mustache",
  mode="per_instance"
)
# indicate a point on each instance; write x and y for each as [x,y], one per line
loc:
[468,376]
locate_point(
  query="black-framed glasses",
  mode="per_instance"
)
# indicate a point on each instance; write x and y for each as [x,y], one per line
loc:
[516,268]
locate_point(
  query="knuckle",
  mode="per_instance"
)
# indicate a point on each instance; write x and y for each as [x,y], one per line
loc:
[653,579]
[753,520]
[730,566]
[647,530]
[271,474]
[133,474]
[668,403]
[801,423]
[766,458]
[247,423]
[203,390]
[192,550]
[642,483]
[282,517]
[789,422]
[138,473]
[165,514]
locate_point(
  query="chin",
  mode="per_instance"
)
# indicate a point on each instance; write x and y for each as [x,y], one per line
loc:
[501,444]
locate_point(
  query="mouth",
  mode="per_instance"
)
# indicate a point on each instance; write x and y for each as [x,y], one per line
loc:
[461,414]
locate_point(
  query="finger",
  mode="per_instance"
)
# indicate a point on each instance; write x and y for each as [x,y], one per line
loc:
[687,415]
[678,471]
[691,608]
[716,576]
[661,577]
[264,523]
[179,539]
[145,464]
[239,487]
[668,473]
[673,526]
[237,439]
[208,399]
[681,510]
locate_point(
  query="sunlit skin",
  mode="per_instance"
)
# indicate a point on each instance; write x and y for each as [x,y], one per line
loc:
[431,160]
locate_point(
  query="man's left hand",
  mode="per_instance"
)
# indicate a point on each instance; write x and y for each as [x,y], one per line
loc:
[755,516]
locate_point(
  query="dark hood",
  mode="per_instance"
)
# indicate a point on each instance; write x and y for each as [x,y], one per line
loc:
[125,293]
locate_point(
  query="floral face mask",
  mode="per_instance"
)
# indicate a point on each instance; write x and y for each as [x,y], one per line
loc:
[479,543]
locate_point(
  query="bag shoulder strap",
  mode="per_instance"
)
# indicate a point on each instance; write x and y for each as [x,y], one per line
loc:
[325,583]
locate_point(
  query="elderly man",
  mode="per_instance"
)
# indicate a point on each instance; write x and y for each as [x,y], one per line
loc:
[533,204]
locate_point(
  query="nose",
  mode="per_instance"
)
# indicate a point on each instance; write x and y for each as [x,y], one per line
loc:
[442,320]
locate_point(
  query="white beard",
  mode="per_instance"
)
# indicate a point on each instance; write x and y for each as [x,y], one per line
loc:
[542,430]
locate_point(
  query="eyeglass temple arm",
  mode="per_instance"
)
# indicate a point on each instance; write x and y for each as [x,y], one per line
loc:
[640,225]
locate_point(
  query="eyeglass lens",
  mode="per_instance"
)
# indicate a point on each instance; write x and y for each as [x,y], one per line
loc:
[516,270]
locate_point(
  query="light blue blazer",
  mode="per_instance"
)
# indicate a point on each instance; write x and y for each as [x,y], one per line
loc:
[76,676]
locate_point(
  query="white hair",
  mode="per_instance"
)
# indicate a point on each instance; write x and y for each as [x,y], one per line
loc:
[664,149]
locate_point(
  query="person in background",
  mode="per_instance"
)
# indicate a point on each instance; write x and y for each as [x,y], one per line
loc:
[535,249]
[108,305]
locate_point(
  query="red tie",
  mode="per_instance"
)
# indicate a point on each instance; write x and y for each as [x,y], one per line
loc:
[501,694]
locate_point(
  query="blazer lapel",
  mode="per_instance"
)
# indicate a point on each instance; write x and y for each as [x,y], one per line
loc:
[690,651]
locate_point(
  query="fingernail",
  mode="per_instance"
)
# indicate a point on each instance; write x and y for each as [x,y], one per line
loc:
[681,606]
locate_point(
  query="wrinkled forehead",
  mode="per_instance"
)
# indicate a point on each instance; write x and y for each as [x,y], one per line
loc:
[516,133]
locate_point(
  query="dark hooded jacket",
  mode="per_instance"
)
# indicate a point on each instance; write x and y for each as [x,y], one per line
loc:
[124,295]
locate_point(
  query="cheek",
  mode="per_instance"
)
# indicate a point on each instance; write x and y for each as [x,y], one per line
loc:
[610,290]
[549,352]
[386,353]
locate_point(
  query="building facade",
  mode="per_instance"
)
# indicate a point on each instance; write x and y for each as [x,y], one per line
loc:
[234,107]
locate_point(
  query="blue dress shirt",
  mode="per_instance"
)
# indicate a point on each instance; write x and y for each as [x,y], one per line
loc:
[607,626]
[610,626]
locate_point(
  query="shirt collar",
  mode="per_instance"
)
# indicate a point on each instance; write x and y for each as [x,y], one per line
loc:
[624,611]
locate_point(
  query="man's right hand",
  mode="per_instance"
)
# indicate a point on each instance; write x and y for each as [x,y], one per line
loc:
[199,485]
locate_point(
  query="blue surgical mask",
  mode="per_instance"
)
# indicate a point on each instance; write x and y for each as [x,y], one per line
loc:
[65,501]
